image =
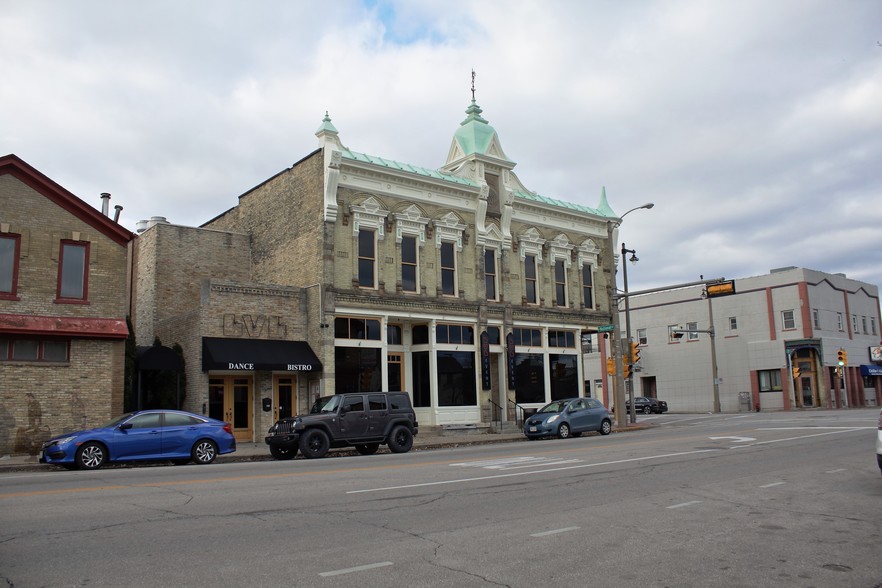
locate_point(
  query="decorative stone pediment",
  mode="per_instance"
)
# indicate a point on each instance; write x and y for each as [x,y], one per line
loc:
[411,222]
[561,248]
[370,214]
[531,242]
[491,238]
[588,252]
[449,228]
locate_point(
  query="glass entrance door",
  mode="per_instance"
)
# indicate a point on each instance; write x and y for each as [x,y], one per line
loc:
[230,400]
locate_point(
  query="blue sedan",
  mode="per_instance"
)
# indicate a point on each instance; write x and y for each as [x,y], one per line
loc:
[147,435]
[568,418]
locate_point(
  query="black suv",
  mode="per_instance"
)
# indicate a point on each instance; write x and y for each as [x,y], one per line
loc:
[364,421]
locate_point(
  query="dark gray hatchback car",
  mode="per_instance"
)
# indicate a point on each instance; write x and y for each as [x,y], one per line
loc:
[364,421]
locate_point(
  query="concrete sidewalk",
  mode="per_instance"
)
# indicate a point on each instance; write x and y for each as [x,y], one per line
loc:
[430,438]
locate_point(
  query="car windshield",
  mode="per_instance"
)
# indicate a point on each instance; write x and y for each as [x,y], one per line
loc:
[325,404]
[557,406]
[114,422]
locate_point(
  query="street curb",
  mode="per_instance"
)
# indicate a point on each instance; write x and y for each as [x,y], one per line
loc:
[460,441]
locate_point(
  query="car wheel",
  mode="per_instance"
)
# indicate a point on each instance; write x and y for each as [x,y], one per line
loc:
[204,451]
[281,452]
[400,440]
[563,431]
[367,448]
[605,427]
[314,443]
[647,410]
[91,456]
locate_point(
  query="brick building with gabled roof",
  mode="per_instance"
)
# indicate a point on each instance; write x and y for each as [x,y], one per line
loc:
[63,306]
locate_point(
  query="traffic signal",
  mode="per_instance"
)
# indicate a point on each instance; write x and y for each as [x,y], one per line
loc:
[626,370]
[610,366]
[795,372]
[635,351]
[842,357]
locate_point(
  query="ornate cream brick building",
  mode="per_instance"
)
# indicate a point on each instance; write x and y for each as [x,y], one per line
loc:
[351,272]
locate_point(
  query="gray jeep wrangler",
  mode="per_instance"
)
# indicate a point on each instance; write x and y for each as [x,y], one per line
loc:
[364,421]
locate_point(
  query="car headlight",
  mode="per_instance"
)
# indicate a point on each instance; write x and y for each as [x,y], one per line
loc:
[64,440]
[552,419]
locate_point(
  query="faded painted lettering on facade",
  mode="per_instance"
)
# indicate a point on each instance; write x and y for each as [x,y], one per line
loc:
[255,326]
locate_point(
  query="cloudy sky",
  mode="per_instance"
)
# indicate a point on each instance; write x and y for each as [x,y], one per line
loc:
[755,126]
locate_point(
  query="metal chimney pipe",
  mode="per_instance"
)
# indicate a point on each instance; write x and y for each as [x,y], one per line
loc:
[105,203]
[118,209]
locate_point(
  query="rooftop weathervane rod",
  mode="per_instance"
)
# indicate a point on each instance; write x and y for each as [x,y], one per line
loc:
[473,85]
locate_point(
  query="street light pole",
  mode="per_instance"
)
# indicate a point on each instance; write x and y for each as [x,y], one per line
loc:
[616,335]
[714,370]
[631,410]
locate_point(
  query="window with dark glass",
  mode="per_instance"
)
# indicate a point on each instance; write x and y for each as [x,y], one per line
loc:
[564,376]
[530,279]
[456,378]
[72,275]
[9,253]
[49,350]
[490,274]
[377,402]
[493,336]
[146,421]
[454,334]
[529,378]
[421,379]
[560,283]
[409,264]
[367,258]
[357,369]
[393,334]
[356,328]
[420,334]
[587,286]
[561,339]
[448,269]
[527,337]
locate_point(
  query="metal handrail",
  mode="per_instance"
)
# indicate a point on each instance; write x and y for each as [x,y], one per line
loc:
[519,412]
[495,413]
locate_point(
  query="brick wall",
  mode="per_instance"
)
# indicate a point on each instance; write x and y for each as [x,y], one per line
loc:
[37,399]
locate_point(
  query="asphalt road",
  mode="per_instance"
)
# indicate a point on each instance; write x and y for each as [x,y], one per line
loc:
[770,499]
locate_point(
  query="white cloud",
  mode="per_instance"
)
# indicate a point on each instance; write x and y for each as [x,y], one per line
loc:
[753,126]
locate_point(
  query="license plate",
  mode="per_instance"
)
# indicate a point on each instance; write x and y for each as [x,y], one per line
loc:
[532,429]
[40,455]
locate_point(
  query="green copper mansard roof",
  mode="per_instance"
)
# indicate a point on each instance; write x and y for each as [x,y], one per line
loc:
[474,134]
[406,167]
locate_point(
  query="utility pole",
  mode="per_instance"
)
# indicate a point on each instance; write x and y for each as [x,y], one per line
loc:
[615,338]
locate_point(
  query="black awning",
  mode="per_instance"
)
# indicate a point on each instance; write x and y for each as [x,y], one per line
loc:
[258,355]
[158,357]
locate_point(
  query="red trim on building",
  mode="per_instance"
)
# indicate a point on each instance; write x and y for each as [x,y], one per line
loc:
[805,310]
[15,166]
[65,326]
[770,304]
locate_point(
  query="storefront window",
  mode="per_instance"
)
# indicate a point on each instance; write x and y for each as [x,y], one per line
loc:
[456,378]
[421,379]
[564,376]
[769,380]
[529,378]
[357,370]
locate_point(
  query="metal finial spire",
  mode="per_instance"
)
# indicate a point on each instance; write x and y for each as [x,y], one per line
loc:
[473,85]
